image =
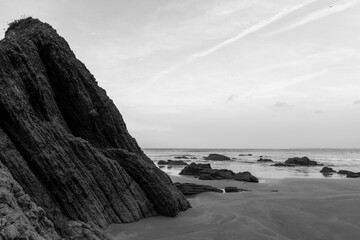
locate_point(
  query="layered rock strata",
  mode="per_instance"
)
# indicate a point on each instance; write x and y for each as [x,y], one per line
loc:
[65,143]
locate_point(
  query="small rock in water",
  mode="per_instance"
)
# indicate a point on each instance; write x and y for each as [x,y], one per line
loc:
[192,188]
[172,162]
[349,174]
[353,175]
[216,174]
[195,169]
[246,177]
[327,170]
[217,157]
[283,165]
[264,160]
[304,161]
[345,172]
[231,189]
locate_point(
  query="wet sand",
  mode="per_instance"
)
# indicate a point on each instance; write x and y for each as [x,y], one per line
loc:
[298,209]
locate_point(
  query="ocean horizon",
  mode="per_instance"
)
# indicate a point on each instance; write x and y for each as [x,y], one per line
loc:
[336,158]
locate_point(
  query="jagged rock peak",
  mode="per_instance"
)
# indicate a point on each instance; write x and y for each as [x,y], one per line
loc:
[25,24]
[65,143]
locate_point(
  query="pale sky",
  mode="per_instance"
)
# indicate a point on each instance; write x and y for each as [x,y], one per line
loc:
[219,74]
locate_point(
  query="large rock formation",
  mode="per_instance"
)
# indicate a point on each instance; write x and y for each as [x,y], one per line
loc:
[65,143]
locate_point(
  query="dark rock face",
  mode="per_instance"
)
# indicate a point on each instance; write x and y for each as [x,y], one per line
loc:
[20,217]
[217,157]
[304,161]
[327,170]
[264,160]
[246,177]
[66,144]
[216,174]
[191,188]
[195,169]
[242,155]
[172,162]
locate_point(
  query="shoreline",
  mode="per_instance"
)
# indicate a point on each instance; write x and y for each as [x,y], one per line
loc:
[300,209]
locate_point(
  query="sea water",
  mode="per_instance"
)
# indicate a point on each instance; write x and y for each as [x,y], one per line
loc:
[338,159]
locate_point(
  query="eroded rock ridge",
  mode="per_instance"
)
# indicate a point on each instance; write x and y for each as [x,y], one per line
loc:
[65,143]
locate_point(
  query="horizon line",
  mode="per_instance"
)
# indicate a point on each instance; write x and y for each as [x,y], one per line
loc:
[296,148]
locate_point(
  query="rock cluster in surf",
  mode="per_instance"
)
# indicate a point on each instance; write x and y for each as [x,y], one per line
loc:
[205,172]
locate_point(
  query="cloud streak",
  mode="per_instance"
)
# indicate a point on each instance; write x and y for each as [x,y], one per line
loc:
[164,72]
[223,44]
[341,6]
[250,30]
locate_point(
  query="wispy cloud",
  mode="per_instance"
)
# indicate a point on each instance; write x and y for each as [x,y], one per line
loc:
[248,31]
[242,34]
[328,10]
[357,102]
[163,73]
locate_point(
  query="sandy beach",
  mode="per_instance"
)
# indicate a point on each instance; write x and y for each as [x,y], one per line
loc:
[274,209]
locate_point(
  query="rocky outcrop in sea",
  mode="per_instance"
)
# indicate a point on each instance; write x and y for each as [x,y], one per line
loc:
[217,157]
[327,170]
[69,167]
[171,162]
[205,172]
[264,160]
[303,161]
